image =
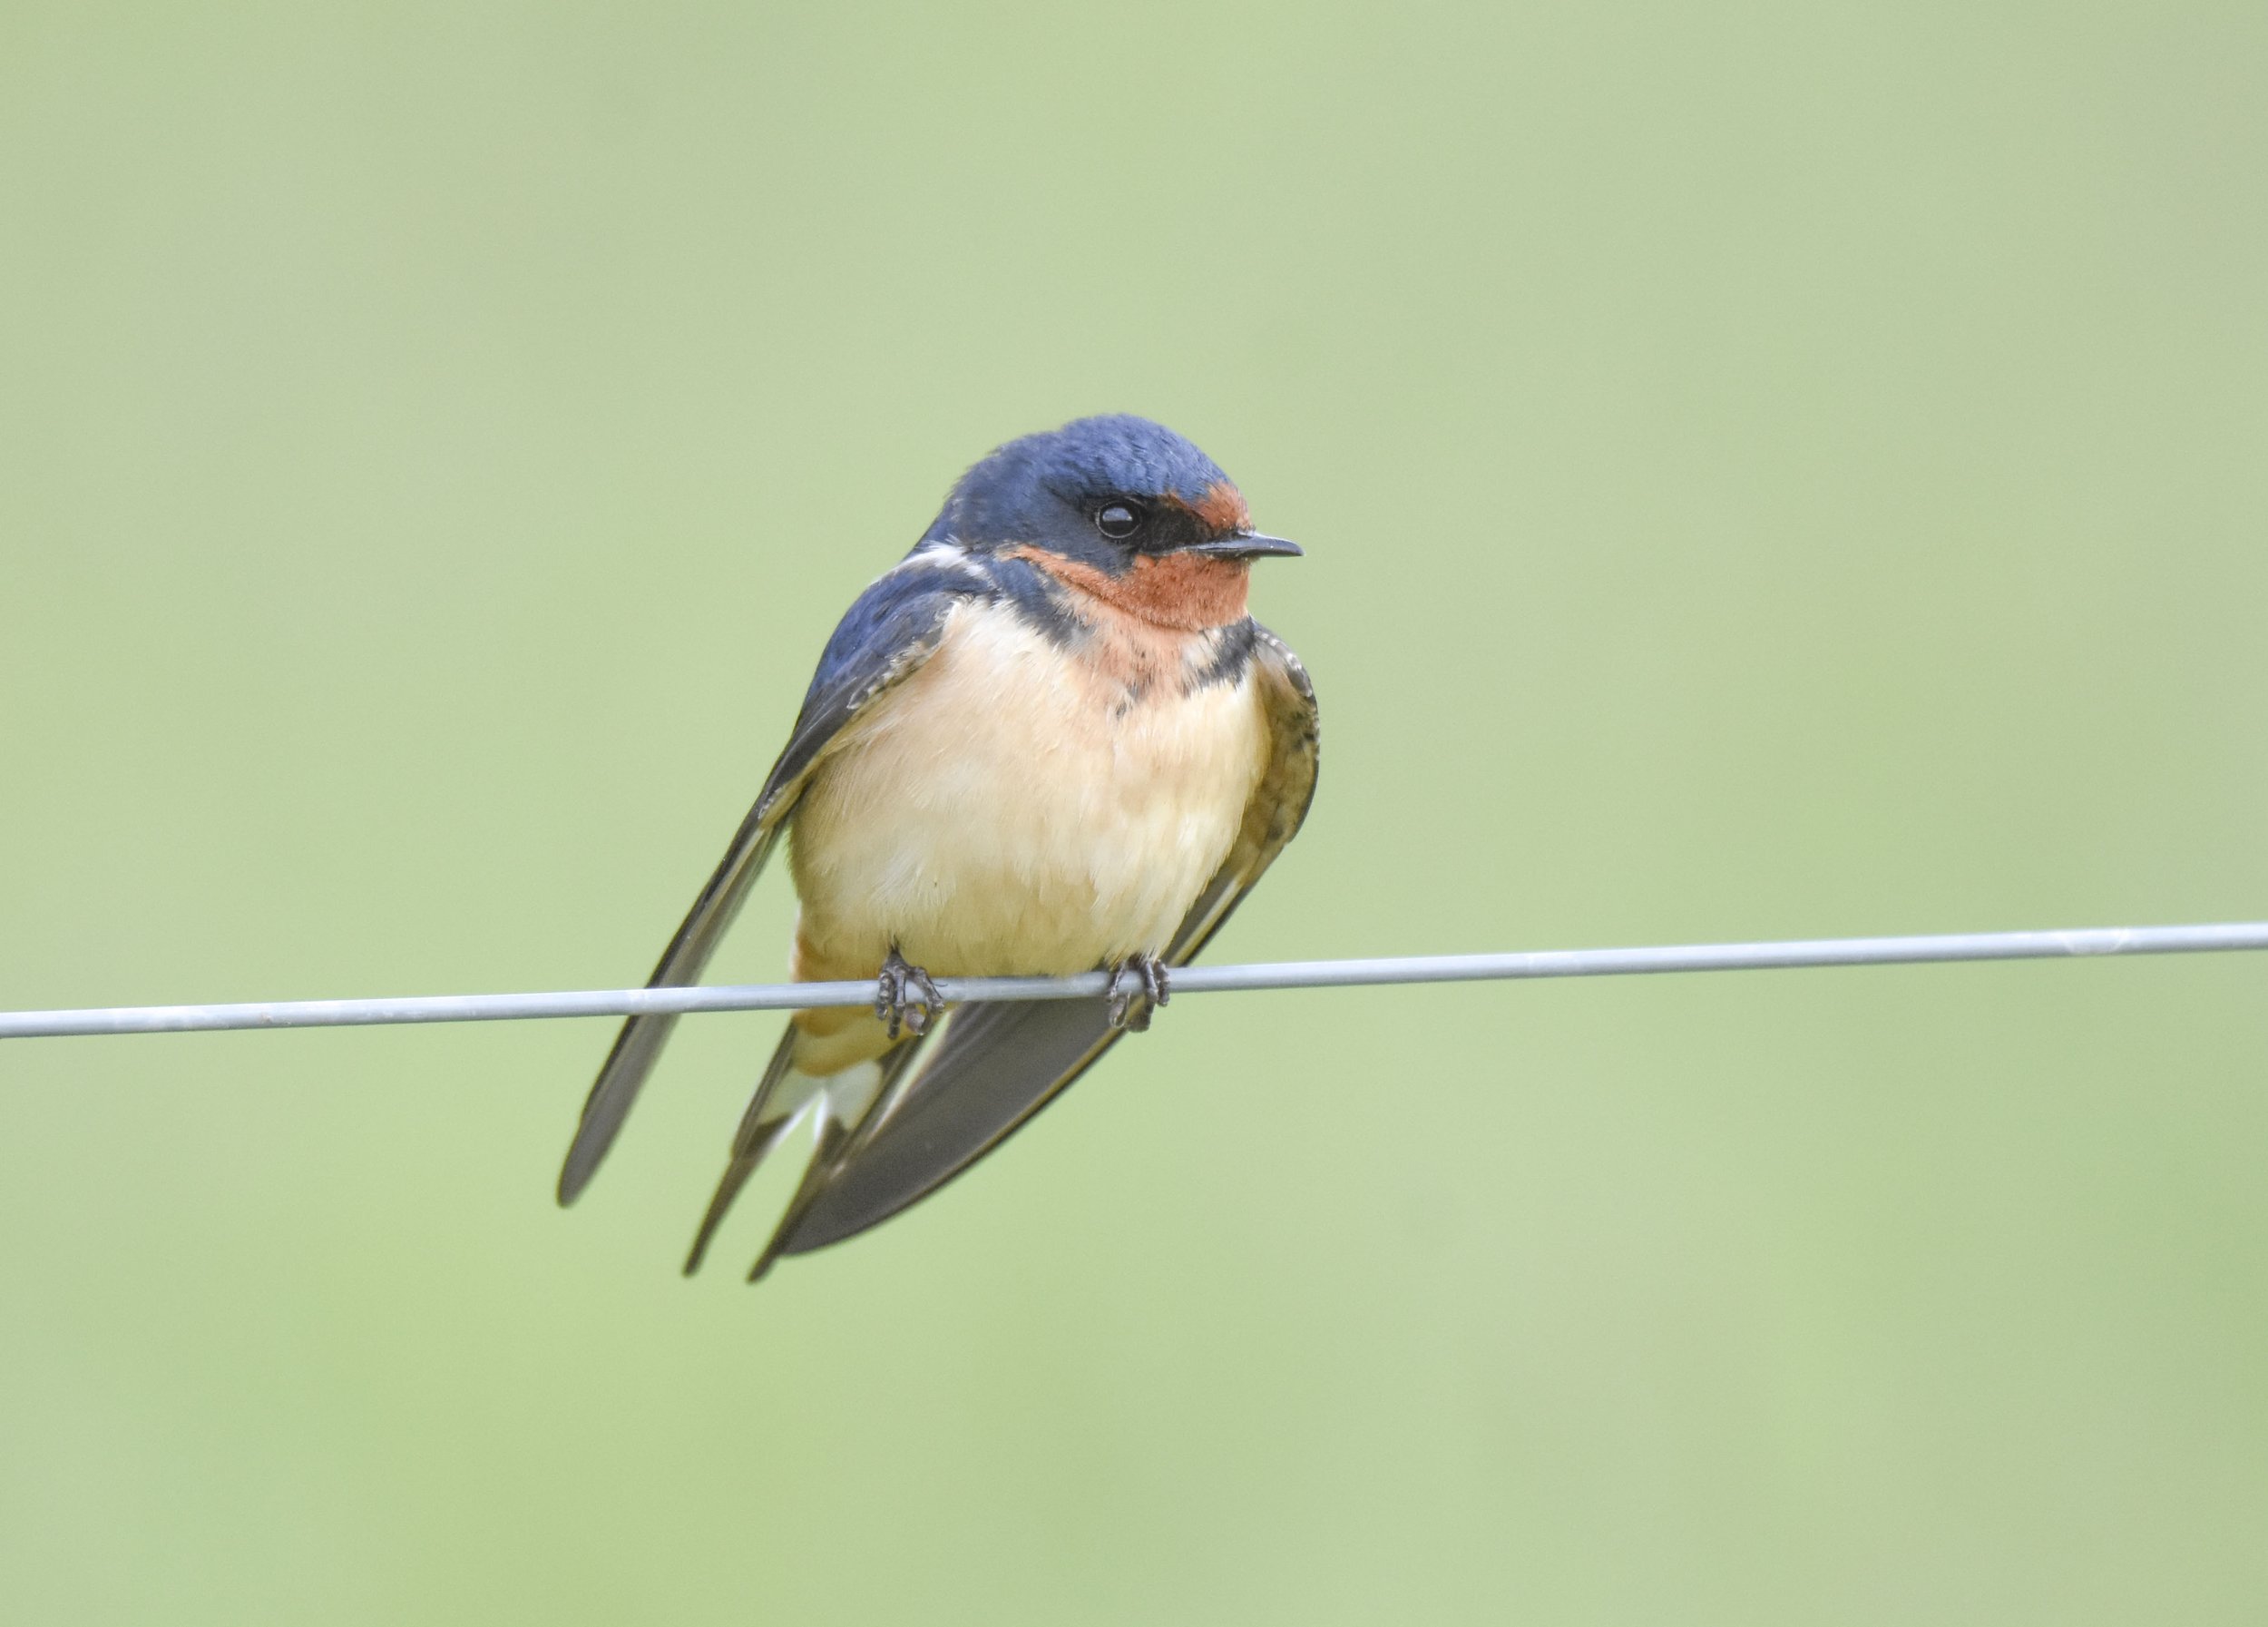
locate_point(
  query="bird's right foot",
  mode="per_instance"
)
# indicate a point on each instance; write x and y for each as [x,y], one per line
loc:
[905,997]
[1130,1008]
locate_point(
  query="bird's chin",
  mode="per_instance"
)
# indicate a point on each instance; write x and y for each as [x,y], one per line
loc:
[1186,590]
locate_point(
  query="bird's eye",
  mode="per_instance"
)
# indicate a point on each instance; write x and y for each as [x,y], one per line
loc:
[1118,521]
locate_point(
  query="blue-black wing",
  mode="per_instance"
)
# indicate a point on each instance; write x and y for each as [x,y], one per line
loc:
[892,628]
[996,1066]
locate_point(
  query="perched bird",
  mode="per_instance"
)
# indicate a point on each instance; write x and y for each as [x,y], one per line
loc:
[1051,739]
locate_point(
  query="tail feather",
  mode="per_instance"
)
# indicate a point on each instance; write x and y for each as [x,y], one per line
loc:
[779,1098]
[747,1153]
[834,1136]
[783,1097]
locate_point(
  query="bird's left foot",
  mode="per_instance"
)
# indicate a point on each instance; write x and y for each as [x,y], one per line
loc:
[905,998]
[1150,986]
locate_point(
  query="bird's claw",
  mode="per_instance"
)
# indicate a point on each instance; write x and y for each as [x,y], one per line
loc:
[1152,987]
[905,997]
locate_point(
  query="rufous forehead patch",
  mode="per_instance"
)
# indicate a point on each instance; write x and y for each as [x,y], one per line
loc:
[1223,508]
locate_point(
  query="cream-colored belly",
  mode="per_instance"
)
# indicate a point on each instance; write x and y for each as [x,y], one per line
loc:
[1004,810]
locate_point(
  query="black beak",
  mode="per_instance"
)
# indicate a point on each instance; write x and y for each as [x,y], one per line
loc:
[1246,545]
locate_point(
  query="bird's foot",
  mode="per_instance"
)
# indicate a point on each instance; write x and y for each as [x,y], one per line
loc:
[1150,986]
[905,998]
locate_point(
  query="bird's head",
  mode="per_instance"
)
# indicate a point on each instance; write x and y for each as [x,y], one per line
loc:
[1117,508]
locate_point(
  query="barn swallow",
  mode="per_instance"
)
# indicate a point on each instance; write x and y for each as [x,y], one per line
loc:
[1051,739]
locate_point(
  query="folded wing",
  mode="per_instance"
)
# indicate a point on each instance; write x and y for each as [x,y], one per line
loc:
[886,634]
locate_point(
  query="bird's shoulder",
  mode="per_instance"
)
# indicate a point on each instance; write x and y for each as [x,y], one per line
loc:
[899,611]
[888,632]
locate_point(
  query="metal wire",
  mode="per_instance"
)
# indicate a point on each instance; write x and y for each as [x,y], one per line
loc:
[1187,980]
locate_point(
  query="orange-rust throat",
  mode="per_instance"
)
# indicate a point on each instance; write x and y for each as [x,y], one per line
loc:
[1189,593]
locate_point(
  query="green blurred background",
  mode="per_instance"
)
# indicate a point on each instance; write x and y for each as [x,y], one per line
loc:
[1774,471]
